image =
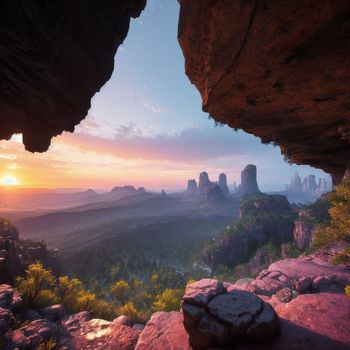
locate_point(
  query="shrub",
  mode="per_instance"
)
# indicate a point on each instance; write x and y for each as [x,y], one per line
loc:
[168,300]
[120,290]
[131,311]
[338,227]
[37,286]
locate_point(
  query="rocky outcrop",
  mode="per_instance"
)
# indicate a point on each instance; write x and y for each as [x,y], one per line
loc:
[215,316]
[263,219]
[278,70]
[54,57]
[304,233]
[17,255]
[249,184]
[314,273]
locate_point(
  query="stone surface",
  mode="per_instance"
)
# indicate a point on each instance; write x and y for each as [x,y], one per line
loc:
[164,331]
[278,70]
[306,274]
[54,57]
[311,321]
[229,316]
[200,292]
[123,338]
[230,307]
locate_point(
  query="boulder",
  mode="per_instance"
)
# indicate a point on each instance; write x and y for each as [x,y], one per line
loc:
[164,331]
[219,317]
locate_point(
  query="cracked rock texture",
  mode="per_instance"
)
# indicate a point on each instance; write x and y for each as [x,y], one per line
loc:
[277,69]
[225,316]
[54,56]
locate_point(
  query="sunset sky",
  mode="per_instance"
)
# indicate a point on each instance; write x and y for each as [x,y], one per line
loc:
[146,127]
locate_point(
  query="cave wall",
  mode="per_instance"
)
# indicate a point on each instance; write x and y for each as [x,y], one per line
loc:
[54,56]
[277,69]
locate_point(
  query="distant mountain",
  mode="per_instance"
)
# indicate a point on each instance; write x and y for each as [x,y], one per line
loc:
[24,199]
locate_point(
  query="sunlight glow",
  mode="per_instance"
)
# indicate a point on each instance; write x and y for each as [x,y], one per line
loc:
[9,181]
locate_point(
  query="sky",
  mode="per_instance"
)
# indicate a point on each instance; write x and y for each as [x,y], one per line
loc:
[146,127]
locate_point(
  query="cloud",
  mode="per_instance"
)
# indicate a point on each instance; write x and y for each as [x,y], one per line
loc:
[191,145]
[151,107]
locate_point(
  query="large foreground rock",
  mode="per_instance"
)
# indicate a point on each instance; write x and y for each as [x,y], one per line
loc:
[217,317]
[164,331]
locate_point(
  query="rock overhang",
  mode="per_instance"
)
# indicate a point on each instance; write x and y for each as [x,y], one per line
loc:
[54,57]
[278,70]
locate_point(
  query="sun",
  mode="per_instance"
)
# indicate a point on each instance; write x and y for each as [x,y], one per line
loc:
[9,180]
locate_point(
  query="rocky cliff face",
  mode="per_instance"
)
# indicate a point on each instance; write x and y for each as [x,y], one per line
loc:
[249,184]
[304,233]
[16,255]
[263,219]
[278,70]
[54,56]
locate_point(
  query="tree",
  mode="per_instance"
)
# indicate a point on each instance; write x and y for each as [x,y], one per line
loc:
[120,290]
[338,227]
[168,300]
[36,286]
